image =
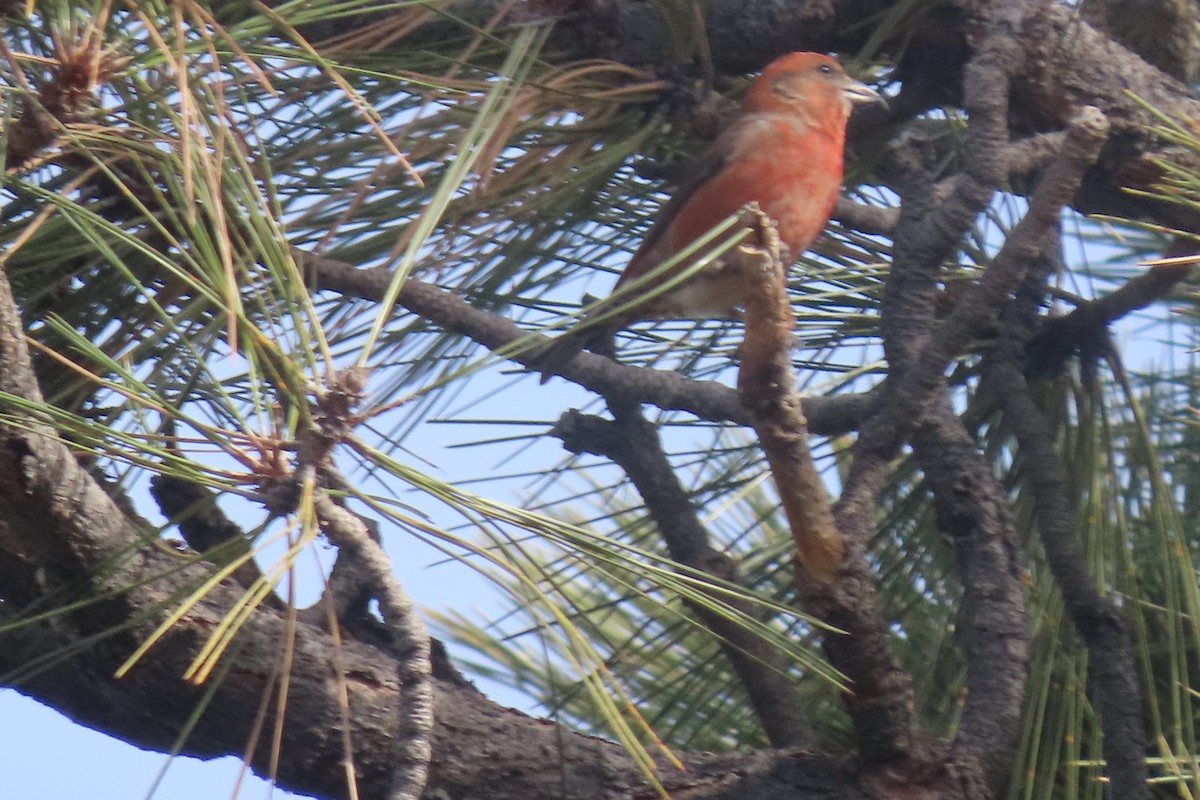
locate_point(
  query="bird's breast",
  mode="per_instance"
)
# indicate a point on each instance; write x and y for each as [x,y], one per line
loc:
[795,180]
[794,174]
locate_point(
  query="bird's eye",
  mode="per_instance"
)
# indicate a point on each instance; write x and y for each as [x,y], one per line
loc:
[825,69]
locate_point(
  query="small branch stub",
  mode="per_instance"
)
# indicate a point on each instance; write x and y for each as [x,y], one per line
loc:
[767,388]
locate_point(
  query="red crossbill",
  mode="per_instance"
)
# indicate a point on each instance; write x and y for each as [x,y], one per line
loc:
[784,152]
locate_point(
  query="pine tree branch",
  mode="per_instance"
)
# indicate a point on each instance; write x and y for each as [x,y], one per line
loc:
[1112,671]
[1084,331]
[632,442]
[767,386]
[409,643]
[707,400]
[61,534]
[973,509]
[333,421]
[833,573]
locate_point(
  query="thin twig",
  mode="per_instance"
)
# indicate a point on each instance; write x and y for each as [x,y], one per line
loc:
[1084,330]
[333,422]
[410,643]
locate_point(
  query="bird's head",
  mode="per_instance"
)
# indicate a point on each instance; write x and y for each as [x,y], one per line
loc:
[811,86]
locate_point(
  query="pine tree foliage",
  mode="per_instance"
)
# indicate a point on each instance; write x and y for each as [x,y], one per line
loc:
[172,170]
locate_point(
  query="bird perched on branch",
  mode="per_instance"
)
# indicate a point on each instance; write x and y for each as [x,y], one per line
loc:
[784,152]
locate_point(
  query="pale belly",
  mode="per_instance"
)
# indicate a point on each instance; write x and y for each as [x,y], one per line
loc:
[718,292]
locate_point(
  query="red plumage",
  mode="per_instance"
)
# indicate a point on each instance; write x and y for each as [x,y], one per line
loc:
[783,152]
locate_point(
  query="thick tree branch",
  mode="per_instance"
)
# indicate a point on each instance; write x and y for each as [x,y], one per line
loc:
[970,502]
[480,749]
[924,237]
[926,232]
[972,508]
[917,359]
[1112,672]
[980,305]
[1164,32]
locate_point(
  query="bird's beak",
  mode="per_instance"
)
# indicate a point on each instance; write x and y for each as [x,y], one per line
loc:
[858,92]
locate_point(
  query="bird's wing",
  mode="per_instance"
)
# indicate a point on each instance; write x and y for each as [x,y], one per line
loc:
[648,255]
[708,166]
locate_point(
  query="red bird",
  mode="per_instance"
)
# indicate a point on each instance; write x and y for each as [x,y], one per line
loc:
[784,152]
